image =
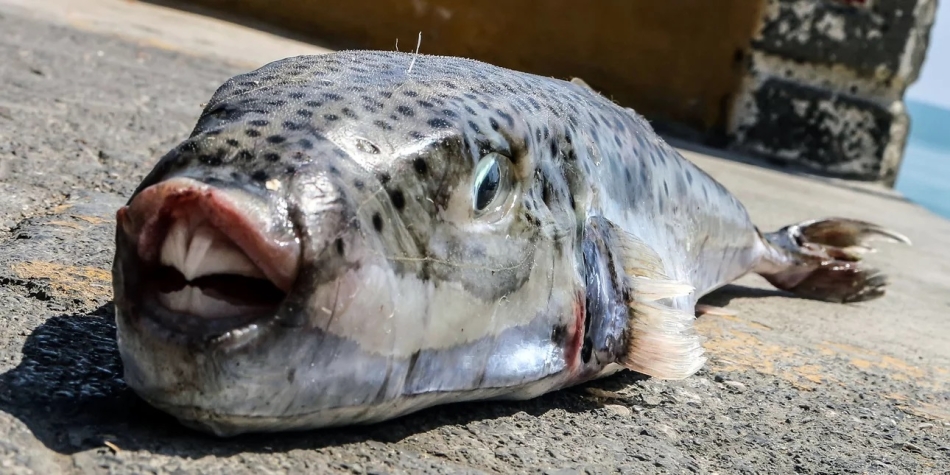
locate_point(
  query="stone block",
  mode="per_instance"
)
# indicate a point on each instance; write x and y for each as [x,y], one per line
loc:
[822,130]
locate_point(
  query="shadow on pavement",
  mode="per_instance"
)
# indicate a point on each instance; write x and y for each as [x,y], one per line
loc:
[69,392]
[722,296]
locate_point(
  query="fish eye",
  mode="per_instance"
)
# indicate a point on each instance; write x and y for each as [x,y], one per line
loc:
[491,182]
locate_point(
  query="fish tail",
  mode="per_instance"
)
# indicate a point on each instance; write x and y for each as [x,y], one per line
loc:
[821,259]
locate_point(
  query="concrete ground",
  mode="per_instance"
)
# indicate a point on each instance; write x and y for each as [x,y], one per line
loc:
[93,92]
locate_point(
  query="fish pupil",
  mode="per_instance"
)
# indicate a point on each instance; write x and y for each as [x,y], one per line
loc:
[487,184]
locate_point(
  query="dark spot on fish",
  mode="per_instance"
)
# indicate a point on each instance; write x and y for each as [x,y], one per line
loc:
[330,96]
[305,143]
[245,155]
[211,160]
[349,113]
[410,93]
[419,164]
[416,135]
[554,148]
[334,170]
[399,201]
[506,116]
[384,178]
[382,124]
[439,123]
[689,177]
[545,192]
[666,189]
[559,335]
[272,157]
[259,122]
[493,123]
[426,104]
[232,142]
[386,94]
[296,95]
[358,184]
[339,246]
[290,125]
[449,113]
[276,139]
[259,175]
[313,104]
[474,127]
[331,117]
[377,222]
[412,365]
[190,147]
[405,110]
[291,375]
[252,133]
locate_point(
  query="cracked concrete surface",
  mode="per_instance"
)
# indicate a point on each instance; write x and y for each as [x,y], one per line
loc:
[792,385]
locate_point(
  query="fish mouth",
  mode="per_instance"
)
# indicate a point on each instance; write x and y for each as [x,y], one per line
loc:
[207,263]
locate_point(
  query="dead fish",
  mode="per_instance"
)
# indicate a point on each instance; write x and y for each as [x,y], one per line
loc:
[343,239]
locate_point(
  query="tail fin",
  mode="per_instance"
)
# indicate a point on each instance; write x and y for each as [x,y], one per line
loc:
[821,259]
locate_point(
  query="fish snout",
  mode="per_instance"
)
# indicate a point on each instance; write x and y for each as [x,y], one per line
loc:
[201,261]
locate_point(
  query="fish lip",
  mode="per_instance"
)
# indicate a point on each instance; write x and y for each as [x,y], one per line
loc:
[150,213]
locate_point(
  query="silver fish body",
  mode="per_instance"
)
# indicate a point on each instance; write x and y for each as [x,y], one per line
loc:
[351,237]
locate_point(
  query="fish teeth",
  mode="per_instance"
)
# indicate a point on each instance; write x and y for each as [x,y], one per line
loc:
[204,251]
[191,300]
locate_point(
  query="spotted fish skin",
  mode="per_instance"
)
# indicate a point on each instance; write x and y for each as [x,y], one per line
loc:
[351,181]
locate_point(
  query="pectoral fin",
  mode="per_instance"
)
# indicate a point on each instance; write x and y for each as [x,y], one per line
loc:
[658,337]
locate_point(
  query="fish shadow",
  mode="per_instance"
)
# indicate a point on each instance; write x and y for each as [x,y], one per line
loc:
[724,295]
[68,390]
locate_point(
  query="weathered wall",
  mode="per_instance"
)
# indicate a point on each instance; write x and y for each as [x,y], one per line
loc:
[826,81]
[676,61]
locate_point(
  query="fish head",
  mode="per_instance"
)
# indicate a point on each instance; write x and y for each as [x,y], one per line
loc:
[344,240]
